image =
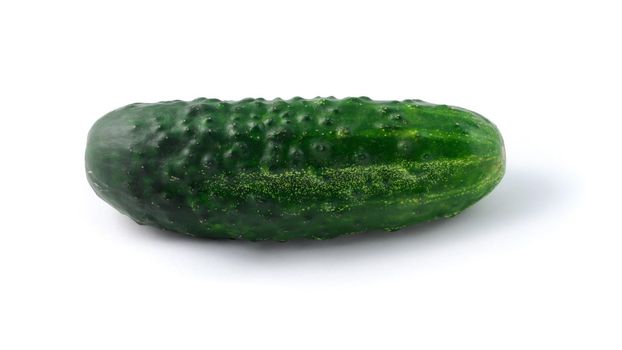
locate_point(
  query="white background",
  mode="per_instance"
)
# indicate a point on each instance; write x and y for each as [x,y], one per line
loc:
[535,265]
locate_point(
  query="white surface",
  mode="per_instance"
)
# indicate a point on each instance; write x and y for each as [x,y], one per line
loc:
[535,265]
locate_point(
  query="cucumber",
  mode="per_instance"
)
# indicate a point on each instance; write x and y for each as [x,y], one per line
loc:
[285,169]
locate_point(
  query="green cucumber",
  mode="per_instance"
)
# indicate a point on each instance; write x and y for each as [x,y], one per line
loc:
[285,169]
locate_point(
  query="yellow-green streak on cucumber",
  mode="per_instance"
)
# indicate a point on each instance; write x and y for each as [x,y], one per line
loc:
[301,168]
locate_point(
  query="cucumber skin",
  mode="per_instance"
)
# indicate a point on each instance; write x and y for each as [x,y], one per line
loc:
[302,168]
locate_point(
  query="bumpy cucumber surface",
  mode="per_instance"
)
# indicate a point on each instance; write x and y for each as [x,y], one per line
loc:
[284,169]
